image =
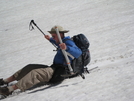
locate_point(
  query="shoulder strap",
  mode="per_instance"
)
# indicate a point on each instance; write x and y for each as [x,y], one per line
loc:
[70,55]
[67,39]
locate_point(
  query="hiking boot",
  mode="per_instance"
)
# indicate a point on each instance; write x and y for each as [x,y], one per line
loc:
[2,82]
[4,91]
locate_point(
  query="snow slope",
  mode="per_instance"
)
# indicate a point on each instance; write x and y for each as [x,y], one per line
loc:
[108,24]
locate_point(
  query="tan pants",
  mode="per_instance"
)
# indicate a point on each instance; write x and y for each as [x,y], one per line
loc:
[32,75]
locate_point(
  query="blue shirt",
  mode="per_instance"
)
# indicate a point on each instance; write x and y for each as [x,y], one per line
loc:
[71,48]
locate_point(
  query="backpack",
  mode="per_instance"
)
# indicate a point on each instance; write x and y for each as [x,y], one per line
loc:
[82,42]
[79,64]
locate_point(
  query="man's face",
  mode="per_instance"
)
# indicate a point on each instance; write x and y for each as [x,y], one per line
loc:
[55,37]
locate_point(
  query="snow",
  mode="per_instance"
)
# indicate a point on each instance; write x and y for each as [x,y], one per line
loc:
[109,26]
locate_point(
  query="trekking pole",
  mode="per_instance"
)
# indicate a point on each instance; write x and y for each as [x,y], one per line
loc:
[30,25]
[64,53]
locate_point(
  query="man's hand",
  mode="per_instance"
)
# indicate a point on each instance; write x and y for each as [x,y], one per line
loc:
[47,37]
[63,46]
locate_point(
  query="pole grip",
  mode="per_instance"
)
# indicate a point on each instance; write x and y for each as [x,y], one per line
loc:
[32,22]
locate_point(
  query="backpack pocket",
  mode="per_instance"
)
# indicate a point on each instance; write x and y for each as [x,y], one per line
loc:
[86,57]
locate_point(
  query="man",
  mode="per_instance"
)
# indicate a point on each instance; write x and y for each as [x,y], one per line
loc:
[33,74]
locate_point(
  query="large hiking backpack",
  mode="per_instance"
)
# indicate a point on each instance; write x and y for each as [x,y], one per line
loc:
[82,42]
[80,63]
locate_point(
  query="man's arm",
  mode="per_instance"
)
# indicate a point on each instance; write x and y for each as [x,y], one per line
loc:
[73,49]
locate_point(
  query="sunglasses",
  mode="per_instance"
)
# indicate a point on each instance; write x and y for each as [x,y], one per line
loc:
[53,36]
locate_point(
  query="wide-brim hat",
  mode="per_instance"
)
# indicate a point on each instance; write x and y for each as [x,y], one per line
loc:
[60,29]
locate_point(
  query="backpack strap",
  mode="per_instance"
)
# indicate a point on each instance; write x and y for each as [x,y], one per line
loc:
[70,55]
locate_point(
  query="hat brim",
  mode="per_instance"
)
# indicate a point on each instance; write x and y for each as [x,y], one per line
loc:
[59,31]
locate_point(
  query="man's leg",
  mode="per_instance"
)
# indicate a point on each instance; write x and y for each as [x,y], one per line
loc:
[34,77]
[37,74]
[22,72]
